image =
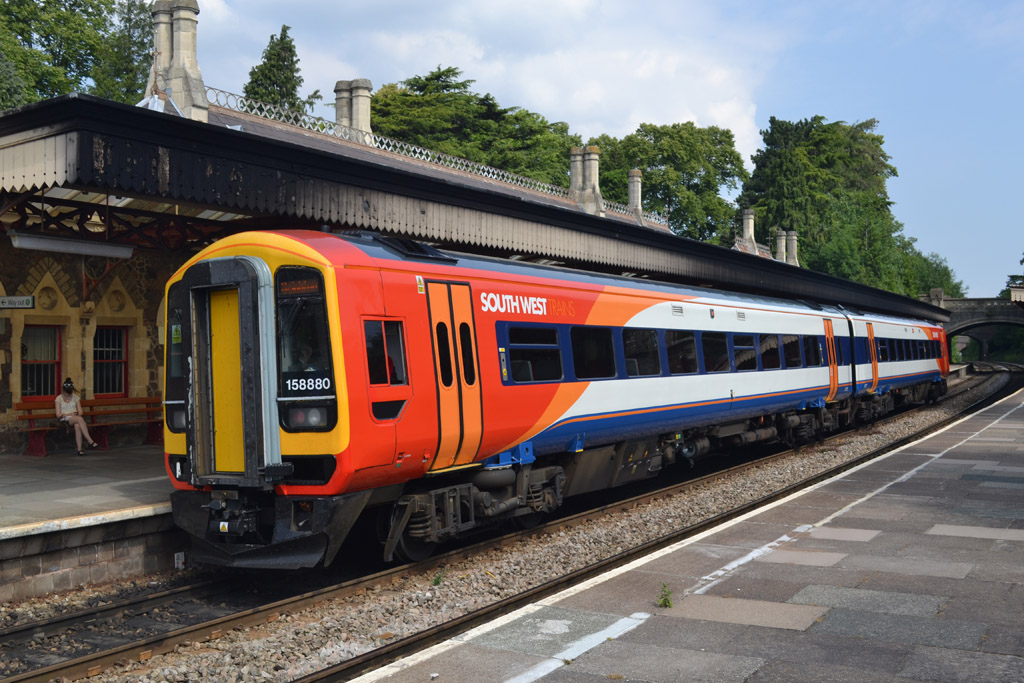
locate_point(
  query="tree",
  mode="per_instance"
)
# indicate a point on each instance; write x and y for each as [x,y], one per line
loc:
[440,112]
[13,91]
[685,169]
[123,62]
[827,181]
[53,44]
[276,79]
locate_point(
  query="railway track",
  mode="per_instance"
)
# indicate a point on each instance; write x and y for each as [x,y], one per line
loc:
[206,611]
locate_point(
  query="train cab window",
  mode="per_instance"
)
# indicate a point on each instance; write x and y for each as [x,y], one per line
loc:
[593,352]
[385,357]
[716,352]
[744,352]
[791,350]
[534,354]
[682,352]
[812,351]
[642,353]
[771,359]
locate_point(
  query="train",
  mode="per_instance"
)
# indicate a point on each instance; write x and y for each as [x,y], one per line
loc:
[315,378]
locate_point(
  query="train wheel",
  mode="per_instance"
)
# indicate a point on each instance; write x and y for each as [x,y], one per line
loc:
[412,550]
[529,521]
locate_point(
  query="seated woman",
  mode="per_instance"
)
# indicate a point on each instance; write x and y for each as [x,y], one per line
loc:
[69,410]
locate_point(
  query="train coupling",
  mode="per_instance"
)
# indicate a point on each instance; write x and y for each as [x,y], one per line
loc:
[229,516]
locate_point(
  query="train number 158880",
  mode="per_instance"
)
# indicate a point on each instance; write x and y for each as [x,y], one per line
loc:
[308,384]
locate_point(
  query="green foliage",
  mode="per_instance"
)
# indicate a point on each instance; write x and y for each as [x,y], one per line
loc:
[1007,343]
[123,62]
[13,90]
[441,113]
[665,597]
[53,44]
[276,79]
[685,168]
[438,577]
[827,181]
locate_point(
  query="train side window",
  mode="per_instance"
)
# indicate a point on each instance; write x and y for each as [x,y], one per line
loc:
[643,358]
[771,359]
[744,352]
[883,349]
[716,351]
[385,356]
[682,352]
[534,354]
[593,352]
[444,353]
[791,350]
[812,351]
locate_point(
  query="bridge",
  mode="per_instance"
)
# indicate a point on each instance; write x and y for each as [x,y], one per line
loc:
[976,318]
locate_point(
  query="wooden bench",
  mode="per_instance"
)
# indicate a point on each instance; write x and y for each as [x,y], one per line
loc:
[99,413]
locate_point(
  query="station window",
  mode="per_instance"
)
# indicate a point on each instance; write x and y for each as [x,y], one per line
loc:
[716,352]
[643,357]
[534,354]
[682,352]
[593,353]
[385,355]
[771,359]
[791,350]
[40,362]
[110,361]
[812,351]
[744,352]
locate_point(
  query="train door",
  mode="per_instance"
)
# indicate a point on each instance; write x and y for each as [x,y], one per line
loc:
[833,365]
[457,372]
[873,354]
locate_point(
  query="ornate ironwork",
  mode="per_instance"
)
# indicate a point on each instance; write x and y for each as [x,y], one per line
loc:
[273,112]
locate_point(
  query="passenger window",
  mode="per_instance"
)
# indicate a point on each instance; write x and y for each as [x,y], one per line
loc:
[385,355]
[791,350]
[770,358]
[642,354]
[744,352]
[812,351]
[882,349]
[444,354]
[534,354]
[716,352]
[593,354]
[682,352]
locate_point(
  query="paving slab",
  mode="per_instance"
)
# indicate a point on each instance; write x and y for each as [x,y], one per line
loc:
[637,662]
[913,567]
[812,558]
[962,635]
[834,533]
[977,532]
[957,666]
[865,600]
[749,612]
[798,672]
[546,632]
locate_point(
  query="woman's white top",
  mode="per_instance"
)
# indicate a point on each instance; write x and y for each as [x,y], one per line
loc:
[68,406]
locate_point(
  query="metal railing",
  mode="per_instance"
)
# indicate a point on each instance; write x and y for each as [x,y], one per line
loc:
[318,124]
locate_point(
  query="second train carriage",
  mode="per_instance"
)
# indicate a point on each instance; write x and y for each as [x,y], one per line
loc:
[312,378]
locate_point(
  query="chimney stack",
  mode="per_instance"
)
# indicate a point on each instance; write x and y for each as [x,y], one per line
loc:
[748,225]
[634,193]
[352,107]
[584,187]
[175,70]
[780,245]
[791,255]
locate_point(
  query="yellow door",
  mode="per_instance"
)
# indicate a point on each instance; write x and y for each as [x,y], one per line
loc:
[226,382]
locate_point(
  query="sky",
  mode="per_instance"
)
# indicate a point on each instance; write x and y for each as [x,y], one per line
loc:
[944,80]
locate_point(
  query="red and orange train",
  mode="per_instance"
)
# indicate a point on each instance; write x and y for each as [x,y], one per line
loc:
[312,378]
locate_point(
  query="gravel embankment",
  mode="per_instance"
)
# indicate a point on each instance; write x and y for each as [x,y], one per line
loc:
[301,643]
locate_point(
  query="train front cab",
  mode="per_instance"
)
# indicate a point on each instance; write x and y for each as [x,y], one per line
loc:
[225,424]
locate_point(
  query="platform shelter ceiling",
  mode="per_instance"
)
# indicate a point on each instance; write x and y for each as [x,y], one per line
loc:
[85,168]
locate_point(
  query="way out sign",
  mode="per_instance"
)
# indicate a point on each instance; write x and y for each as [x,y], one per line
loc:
[17,302]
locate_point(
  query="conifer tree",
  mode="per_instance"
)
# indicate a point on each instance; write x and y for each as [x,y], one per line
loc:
[276,79]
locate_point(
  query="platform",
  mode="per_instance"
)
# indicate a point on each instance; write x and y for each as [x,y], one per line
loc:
[63,491]
[910,567]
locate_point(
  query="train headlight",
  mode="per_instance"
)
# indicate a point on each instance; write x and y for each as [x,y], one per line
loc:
[305,417]
[315,417]
[176,418]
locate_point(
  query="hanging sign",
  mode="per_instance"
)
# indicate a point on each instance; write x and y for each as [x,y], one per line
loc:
[17,302]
